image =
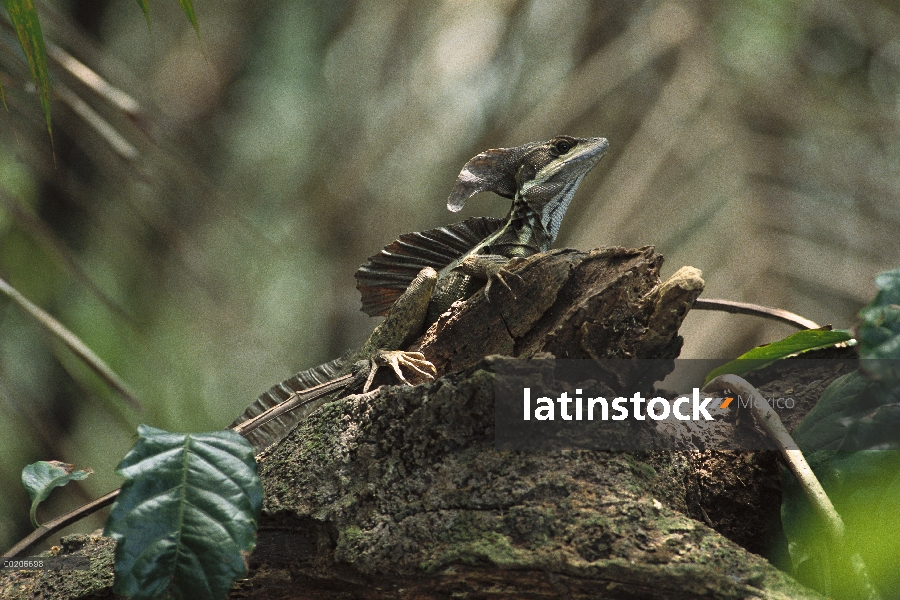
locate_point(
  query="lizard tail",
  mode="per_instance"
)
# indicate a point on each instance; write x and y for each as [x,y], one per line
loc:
[276,429]
[386,275]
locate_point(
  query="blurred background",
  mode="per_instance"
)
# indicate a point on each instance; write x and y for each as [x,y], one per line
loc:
[206,201]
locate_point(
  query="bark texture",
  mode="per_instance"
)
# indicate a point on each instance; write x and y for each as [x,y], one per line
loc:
[400,493]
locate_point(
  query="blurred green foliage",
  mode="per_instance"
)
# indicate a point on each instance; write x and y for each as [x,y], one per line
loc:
[851,441]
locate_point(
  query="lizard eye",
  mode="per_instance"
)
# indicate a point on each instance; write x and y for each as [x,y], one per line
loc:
[562,146]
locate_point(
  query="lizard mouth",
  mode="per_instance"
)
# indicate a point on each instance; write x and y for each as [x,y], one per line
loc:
[590,150]
[570,166]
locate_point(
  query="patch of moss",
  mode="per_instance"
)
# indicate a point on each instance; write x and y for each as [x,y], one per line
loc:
[491,547]
[596,520]
[466,527]
[97,579]
[641,468]
[531,525]
[351,534]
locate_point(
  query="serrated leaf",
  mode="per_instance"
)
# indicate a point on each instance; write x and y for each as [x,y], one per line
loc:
[44,476]
[25,20]
[762,356]
[188,7]
[186,516]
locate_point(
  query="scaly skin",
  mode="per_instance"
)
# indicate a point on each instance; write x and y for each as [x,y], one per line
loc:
[543,178]
[419,276]
[399,329]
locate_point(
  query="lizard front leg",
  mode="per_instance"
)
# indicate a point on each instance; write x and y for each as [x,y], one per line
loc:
[402,325]
[490,267]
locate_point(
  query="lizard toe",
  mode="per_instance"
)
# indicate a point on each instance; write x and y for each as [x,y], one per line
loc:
[414,362]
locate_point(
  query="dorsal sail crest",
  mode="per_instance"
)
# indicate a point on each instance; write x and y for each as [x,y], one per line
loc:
[386,275]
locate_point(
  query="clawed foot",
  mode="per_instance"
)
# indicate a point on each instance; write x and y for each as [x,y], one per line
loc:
[396,360]
[484,268]
[498,275]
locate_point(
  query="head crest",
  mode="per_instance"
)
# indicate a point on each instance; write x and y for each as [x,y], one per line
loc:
[491,171]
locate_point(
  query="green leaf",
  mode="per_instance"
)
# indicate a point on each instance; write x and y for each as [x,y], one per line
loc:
[25,19]
[864,487]
[188,7]
[826,425]
[186,516]
[762,356]
[42,477]
[853,414]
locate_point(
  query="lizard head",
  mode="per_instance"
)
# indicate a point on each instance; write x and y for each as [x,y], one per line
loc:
[544,174]
[547,183]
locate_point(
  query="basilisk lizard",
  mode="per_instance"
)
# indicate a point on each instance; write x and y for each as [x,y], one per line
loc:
[416,278]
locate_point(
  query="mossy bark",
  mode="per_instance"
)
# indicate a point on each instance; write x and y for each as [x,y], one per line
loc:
[400,493]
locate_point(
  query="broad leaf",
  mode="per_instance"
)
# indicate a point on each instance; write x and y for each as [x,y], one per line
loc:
[25,20]
[864,487]
[846,400]
[42,477]
[186,516]
[857,411]
[762,356]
